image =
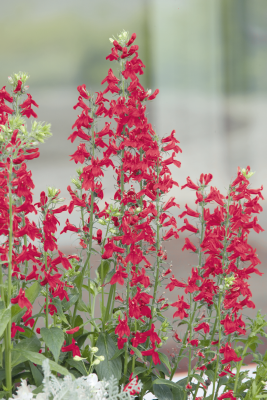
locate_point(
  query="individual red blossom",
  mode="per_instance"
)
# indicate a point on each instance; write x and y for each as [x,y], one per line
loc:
[227,395]
[227,370]
[181,305]
[153,353]
[174,283]
[132,39]
[72,347]
[122,328]
[189,245]
[229,354]
[188,227]
[190,184]
[18,87]
[193,342]
[80,154]
[4,95]
[215,195]
[177,337]
[28,102]
[233,326]
[110,248]
[153,336]
[138,338]
[190,212]
[73,330]
[204,325]
[205,178]
[83,92]
[22,300]
[14,329]
[171,232]
[170,203]
[69,227]
[33,274]
[121,341]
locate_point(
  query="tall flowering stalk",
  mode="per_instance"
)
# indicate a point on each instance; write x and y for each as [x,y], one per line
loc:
[127,233]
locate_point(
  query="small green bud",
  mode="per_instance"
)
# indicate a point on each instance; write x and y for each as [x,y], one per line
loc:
[94,349]
[77,358]
[52,191]
[247,175]
[96,362]
[102,222]
[101,358]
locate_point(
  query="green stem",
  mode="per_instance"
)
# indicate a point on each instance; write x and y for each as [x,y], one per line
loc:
[8,368]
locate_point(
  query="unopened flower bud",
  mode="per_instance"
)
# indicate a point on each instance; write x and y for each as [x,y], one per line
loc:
[101,358]
[96,362]
[94,349]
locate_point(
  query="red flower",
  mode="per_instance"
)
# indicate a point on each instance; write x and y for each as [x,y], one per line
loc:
[110,248]
[119,276]
[83,92]
[153,353]
[204,325]
[120,342]
[73,330]
[181,305]
[15,328]
[229,354]
[188,227]
[21,300]
[122,328]
[227,395]
[18,87]
[190,184]
[72,347]
[189,245]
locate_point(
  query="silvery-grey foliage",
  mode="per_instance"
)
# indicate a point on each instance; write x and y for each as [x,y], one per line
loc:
[84,388]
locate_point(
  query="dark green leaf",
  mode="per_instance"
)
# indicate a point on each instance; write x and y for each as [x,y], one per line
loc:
[36,374]
[137,352]
[102,271]
[168,383]
[117,354]
[198,378]
[30,344]
[210,374]
[53,338]
[165,360]
[107,348]
[138,370]
[38,358]
[79,365]
[162,391]
[60,312]
[72,300]
[110,275]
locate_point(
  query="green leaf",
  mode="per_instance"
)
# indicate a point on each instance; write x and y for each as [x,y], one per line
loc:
[5,315]
[168,383]
[30,344]
[110,275]
[137,352]
[117,354]
[138,370]
[72,300]
[37,375]
[31,293]
[107,348]
[82,306]
[38,358]
[60,312]
[210,374]
[104,270]
[198,378]
[165,360]
[53,338]
[79,365]
[162,391]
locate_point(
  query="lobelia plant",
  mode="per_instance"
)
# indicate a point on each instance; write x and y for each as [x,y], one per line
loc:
[127,233]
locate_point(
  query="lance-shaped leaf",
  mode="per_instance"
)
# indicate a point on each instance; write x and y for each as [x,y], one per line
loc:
[53,338]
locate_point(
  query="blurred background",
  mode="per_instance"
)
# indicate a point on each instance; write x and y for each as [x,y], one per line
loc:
[208,58]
